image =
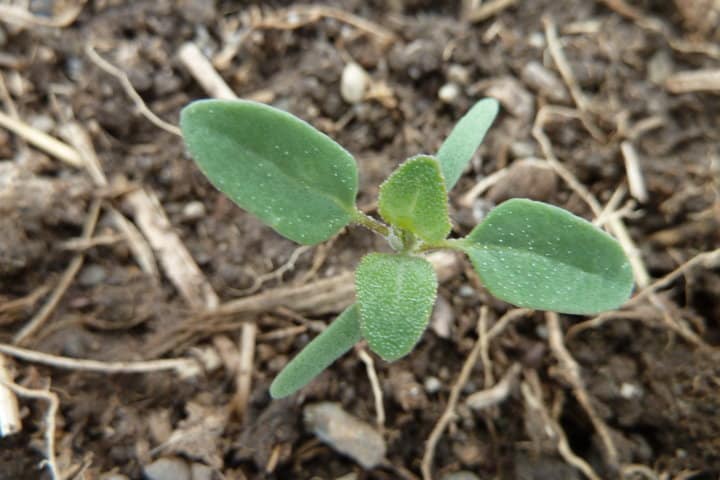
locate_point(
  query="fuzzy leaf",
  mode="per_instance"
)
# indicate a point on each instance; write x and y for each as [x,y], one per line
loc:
[414,198]
[535,255]
[395,294]
[331,344]
[294,178]
[458,148]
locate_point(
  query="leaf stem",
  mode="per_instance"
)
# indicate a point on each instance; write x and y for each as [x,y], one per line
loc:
[451,243]
[370,223]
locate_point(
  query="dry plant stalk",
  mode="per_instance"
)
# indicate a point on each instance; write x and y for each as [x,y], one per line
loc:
[202,70]
[10,422]
[375,385]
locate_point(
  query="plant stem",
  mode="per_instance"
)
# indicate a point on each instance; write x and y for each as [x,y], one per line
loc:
[451,243]
[370,223]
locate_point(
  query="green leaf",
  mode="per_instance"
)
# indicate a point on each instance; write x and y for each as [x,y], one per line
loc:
[539,256]
[395,294]
[457,150]
[293,177]
[414,199]
[331,344]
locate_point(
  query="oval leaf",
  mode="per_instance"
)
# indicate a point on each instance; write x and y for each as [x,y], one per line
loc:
[458,148]
[395,294]
[539,256]
[331,344]
[293,177]
[414,198]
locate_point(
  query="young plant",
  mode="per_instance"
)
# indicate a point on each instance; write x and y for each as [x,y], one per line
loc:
[303,185]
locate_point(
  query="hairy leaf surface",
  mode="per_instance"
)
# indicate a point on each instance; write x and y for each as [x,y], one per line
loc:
[535,255]
[457,150]
[414,198]
[294,178]
[331,344]
[395,294]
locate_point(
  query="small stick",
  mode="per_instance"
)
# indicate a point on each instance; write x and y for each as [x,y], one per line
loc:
[183,366]
[42,140]
[19,16]
[245,368]
[10,422]
[449,413]
[177,262]
[635,178]
[495,394]
[610,207]
[558,56]
[694,81]
[278,273]
[532,394]
[489,9]
[202,70]
[68,276]
[130,90]
[571,372]
[53,407]
[375,384]
[485,353]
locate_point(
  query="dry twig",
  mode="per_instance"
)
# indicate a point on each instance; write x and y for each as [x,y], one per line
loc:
[245,368]
[202,70]
[570,370]
[694,81]
[636,181]
[68,276]
[174,256]
[42,140]
[375,385]
[449,413]
[53,406]
[10,422]
[532,394]
[17,15]
[130,90]
[488,9]
[185,367]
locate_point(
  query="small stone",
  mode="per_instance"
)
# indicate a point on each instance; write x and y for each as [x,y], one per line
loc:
[449,92]
[201,471]
[525,178]
[458,74]
[345,433]
[513,96]
[432,385]
[92,275]
[170,468]
[114,476]
[442,318]
[194,210]
[406,390]
[630,390]
[353,83]
[544,81]
[659,67]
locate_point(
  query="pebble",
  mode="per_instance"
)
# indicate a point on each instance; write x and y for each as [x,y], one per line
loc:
[201,472]
[514,97]
[92,275]
[194,210]
[353,83]
[114,476]
[432,385]
[544,81]
[167,468]
[345,433]
[442,318]
[458,74]
[449,92]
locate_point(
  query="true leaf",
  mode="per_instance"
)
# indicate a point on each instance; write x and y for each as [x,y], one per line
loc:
[293,177]
[333,342]
[539,256]
[414,198]
[467,135]
[395,294]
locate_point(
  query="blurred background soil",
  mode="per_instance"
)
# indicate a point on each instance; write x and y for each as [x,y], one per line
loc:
[114,247]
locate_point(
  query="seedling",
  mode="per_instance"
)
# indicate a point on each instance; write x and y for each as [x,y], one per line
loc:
[303,185]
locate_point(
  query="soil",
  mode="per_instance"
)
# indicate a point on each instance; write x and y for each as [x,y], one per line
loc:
[655,388]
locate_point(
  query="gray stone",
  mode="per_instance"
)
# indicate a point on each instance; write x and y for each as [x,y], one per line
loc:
[169,468]
[345,433]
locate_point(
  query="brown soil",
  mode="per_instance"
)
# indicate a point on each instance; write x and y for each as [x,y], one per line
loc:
[653,378]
